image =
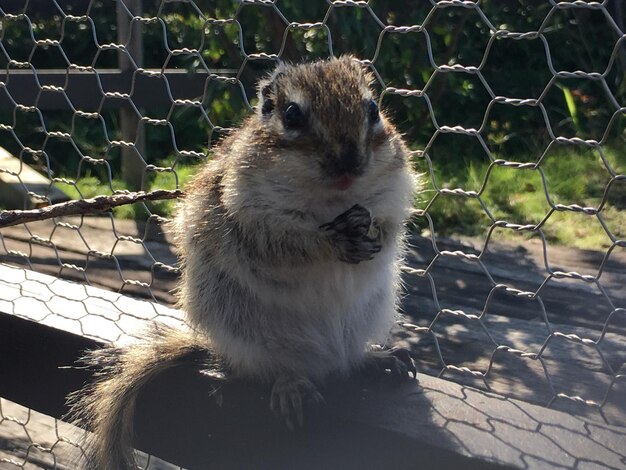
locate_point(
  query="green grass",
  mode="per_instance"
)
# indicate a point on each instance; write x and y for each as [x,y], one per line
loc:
[90,186]
[572,176]
[167,180]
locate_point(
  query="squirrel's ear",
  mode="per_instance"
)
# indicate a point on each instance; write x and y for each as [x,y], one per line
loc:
[266,100]
[267,90]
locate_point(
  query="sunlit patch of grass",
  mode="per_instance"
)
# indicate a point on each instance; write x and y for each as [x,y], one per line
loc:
[568,176]
[91,186]
[88,187]
[169,180]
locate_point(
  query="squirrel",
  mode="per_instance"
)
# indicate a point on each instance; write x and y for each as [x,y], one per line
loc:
[291,240]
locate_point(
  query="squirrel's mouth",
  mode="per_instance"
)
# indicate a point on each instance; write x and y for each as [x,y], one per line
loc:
[344,181]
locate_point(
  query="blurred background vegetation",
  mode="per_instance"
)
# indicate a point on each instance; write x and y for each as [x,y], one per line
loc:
[573,39]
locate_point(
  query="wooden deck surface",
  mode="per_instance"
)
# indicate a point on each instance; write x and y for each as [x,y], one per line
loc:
[578,326]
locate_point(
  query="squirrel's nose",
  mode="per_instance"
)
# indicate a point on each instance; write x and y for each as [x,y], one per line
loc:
[349,158]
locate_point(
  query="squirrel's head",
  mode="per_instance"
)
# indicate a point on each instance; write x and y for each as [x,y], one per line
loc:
[324,112]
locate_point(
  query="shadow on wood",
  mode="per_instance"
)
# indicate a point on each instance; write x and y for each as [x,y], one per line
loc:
[191,420]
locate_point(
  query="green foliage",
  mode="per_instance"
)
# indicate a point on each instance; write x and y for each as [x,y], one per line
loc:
[571,105]
[576,39]
[169,180]
[572,176]
[91,186]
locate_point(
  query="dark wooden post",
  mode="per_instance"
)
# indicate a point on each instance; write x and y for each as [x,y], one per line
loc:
[129,33]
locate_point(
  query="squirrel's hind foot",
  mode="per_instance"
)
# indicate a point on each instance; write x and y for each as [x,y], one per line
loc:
[398,361]
[289,394]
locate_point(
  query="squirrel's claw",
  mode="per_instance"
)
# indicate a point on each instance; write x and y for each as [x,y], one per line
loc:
[397,360]
[404,356]
[288,396]
[354,222]
[355,235]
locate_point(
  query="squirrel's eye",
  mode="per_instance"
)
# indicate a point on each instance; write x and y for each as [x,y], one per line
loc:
[374,115]
[294,119]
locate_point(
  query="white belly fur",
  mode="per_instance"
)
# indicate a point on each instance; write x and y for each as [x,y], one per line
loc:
[318,321]
[312,320]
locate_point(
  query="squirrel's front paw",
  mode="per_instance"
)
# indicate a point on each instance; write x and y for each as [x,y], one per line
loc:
[354,234]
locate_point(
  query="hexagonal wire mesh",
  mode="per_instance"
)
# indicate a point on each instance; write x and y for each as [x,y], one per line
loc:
[494,308]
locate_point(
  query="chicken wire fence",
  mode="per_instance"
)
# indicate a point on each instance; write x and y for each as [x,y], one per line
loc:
[101,97]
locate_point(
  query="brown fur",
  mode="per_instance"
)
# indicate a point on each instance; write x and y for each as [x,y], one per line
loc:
[277,266]
[106,406]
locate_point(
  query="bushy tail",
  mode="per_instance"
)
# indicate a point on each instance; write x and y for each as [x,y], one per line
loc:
[107,405]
